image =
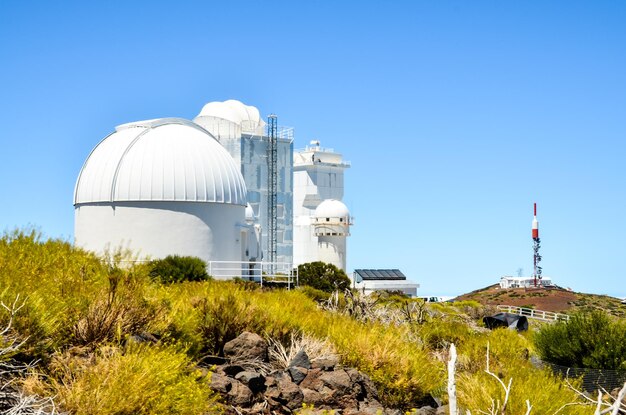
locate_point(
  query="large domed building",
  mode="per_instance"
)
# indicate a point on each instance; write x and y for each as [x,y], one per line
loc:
[172,186]
[163,187]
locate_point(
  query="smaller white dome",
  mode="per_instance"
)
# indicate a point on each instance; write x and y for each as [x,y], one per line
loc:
[331,208]
[247,117]
[249,214]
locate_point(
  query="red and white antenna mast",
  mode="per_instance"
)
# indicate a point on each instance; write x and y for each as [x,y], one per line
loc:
[536,246]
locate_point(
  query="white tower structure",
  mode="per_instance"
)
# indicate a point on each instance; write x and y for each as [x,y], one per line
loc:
[318,177]
[241,130]
[331,224]
[163,187]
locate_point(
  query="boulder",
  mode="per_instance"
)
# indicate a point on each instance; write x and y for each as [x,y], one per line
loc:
[338,381]
[247,346]
[329,389]
[281,391]
[253,380]
[297,374]
[312,380]
[220,383]
[301,359]
[325,363]
[363,385]
[239,394]
[312,397]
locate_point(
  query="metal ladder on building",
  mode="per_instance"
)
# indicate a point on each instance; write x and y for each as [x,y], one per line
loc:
[272,187]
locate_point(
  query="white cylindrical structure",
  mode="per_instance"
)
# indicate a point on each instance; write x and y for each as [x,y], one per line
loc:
[331,224]
[161,187]
[229,119]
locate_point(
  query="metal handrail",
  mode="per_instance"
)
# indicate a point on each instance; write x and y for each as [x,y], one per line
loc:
[257,271]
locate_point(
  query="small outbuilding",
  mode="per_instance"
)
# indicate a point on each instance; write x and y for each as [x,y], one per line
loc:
[370,280]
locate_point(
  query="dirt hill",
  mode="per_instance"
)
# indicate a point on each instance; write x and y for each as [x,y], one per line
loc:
[548,299]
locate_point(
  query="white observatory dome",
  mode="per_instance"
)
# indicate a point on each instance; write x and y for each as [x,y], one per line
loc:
[246,118]
[162,187]
[331,208]
[168,159]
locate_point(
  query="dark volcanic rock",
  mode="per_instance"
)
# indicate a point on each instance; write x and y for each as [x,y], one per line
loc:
[220,383]
[301,359]
[312,397]
[297,374]
[368,389]
[231,370]
[239,394]
[320,382]
[282,391]
[247,346]
[253,380]
[312,380]
[325,363]
[338,381]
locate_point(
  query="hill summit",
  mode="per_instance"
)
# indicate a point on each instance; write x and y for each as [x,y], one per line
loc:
[558,300]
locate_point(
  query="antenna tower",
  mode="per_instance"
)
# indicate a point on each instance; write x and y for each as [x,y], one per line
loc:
[272,187]
[536,246]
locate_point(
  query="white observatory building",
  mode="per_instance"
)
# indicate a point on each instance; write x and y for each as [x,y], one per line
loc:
[226,187]
[321,220]
[163,187]
[242,132]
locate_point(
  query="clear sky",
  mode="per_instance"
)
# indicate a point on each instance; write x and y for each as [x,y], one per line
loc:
[456,116]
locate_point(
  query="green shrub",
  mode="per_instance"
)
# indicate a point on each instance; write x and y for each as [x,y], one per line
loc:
[323,276]
[589,340]
[174,268]
[224,317]
[142,380]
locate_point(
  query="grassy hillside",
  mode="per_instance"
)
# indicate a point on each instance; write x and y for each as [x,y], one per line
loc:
[81,314]
[554,299]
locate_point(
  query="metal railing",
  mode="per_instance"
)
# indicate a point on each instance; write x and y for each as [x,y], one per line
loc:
[262,272]
[532,313]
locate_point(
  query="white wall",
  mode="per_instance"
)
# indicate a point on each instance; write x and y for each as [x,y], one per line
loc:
[313,182]
[332,250]
[157,229]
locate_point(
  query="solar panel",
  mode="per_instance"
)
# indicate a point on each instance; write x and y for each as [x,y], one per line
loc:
[381,274]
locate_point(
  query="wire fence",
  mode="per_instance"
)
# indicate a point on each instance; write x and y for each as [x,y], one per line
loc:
[592,379]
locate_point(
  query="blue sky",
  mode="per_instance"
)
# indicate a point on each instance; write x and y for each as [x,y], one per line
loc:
[456,116]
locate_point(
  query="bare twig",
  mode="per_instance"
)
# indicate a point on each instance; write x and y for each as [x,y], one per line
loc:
[12,400]
[507,389]
[529,406]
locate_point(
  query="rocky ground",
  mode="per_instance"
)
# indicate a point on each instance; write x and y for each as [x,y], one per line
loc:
[556,299]
[249,385]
